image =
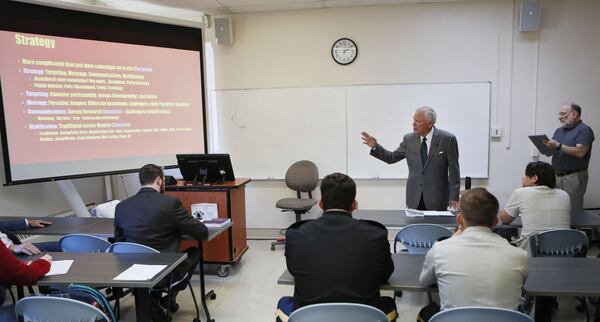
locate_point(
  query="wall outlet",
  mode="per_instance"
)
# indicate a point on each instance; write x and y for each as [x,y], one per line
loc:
[496,132]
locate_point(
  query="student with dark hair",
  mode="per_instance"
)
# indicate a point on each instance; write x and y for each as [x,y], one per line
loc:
[539,203]
[157,220]
[337,258]
[476,267]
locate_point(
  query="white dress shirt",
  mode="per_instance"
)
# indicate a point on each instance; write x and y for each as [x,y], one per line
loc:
[541,208]
[5,240]
[476,268]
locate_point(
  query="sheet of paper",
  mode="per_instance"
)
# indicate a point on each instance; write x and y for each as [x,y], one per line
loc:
[139,272]
[437,213]
[413,213]
[60,267]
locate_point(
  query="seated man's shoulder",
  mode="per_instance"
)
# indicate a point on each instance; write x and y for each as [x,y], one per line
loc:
[372,225]
[300,224]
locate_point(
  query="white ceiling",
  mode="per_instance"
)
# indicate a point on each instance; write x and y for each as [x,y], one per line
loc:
[194,9]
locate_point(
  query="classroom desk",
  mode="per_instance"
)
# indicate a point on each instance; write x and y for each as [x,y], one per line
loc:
[397,218]
[104,227]
[60,225]
[548,276]
[99,269]
[407,268]
[561,276]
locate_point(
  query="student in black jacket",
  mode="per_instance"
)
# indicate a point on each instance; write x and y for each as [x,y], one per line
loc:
[337,258]
[157,220]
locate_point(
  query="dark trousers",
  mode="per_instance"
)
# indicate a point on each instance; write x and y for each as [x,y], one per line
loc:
[47,246]
[193,256]
[7,314]
[421,205]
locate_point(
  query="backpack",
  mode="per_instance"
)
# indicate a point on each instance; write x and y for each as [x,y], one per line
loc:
[87,295]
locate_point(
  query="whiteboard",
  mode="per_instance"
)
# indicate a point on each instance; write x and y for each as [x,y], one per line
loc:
[386,112]
[266,130]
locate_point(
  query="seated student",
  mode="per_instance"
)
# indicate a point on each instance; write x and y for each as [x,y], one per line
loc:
[541,205]
[15,272]
[21,224]
[157,220]
[476,267]
[337,258]
[13,243]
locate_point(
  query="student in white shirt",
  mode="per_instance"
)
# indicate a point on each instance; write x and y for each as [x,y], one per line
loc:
[541,205]
[476,267]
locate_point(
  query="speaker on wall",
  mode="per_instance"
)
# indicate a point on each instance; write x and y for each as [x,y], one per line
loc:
[530,15]
[223,30]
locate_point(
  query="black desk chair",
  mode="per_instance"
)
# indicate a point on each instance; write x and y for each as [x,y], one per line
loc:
[302,176]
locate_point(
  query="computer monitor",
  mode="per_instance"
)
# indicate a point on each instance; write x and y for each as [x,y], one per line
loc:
[205,168]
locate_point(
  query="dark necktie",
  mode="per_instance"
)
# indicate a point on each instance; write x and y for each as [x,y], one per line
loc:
[424,151]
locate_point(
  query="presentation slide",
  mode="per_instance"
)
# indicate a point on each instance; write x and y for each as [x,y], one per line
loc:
[74,106]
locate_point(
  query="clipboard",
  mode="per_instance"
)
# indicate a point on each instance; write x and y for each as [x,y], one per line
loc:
[538,141]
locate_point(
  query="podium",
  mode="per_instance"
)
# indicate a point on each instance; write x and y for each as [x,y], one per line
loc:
[230,197]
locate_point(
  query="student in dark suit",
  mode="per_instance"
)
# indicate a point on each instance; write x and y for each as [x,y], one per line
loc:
[337,258]
[154,219]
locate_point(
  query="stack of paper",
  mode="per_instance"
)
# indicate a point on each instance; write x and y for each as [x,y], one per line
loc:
[432,213]
[217,222]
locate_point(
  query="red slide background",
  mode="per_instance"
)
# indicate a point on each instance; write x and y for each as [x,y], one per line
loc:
[176,77]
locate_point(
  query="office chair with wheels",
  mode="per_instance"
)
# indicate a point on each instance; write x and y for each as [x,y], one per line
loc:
[419,238]
[302,176]
[175,285]
[57,309]
[476,313]
[561,243]
[346,312]
[81,243]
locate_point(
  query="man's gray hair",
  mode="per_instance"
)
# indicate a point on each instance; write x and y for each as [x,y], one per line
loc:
[430,115]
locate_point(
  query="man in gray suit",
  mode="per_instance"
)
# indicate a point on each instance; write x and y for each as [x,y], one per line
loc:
[432,158]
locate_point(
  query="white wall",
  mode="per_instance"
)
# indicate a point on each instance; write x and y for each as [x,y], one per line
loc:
[531,74]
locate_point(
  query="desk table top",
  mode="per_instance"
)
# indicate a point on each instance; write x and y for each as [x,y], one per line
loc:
[101,227]
[100,269]
[548,276]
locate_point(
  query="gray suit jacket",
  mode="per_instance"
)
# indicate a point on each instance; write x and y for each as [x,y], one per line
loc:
[438,180]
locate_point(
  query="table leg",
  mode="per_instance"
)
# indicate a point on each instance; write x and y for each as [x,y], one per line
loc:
[203,295]
[20,292]
[143,305]
[543,308]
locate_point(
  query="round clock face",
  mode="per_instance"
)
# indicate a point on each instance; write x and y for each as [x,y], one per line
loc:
[344,51]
